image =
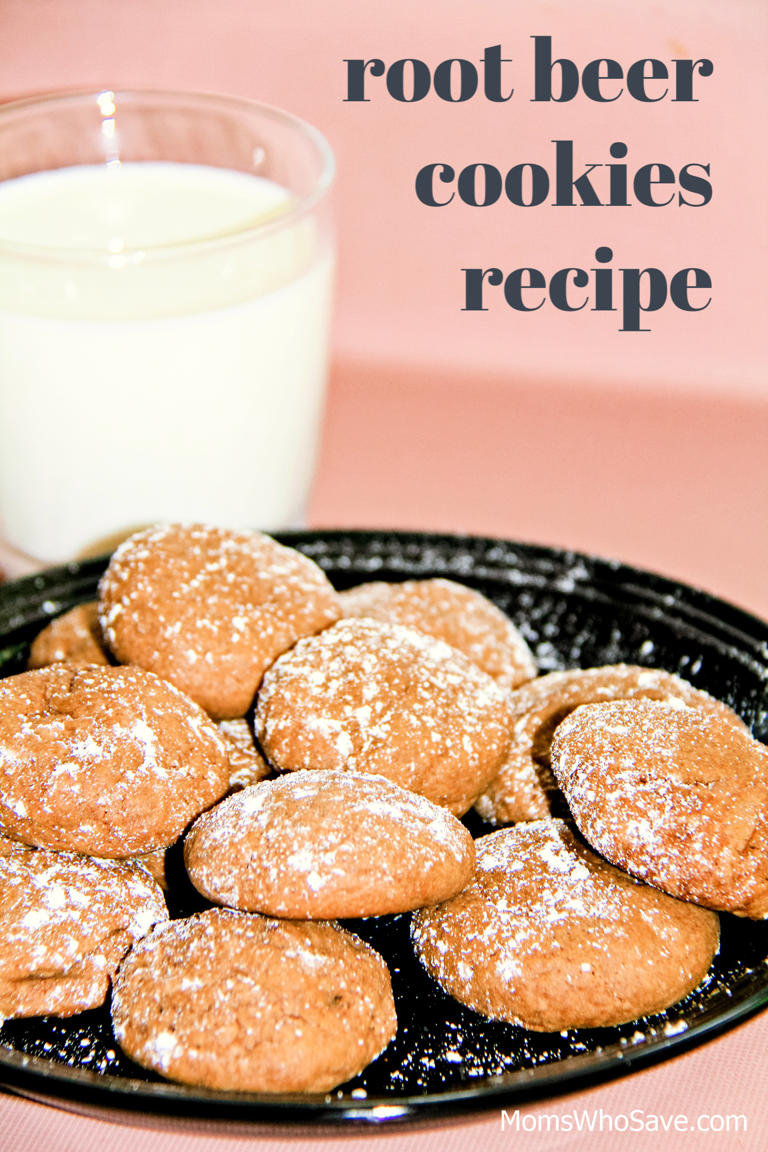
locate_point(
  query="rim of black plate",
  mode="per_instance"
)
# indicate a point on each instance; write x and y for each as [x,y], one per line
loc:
[39,1078]
[589,576]
[33,599]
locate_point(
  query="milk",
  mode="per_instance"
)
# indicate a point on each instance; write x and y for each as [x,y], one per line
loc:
[163,352]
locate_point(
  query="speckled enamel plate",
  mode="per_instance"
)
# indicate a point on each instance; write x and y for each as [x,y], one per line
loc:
[575,611]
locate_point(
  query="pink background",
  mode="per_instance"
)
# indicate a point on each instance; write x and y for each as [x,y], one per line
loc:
[551,427]
[558,429]
[400,288]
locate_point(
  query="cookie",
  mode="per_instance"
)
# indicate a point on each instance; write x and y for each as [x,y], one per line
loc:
[66,921]
[246,764]
[156,864]
[525,788]
[551,937]
[9,847]
[75,637]
[105,761]
[388,700]
[325,844]
[234,1001]
[677,796]
[462,617]
[210,609]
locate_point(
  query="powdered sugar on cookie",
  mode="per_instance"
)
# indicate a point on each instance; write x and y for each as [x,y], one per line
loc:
[551,937]
[385,699]
[324,844]
[235,1001]
[460,616]
[65,923]
[675,795]
[210,609]
[524,787]
[105,761]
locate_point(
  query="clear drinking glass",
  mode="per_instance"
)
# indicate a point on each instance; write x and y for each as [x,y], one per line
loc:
[166,265]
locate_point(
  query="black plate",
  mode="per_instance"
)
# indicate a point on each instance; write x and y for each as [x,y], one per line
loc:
[575,611]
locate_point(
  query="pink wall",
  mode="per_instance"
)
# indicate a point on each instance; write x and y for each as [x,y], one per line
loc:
[400,285]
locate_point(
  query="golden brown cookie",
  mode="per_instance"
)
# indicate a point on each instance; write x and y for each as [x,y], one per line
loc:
[75,637]
[246,764]
[9,847]
[156,864]
[325,844]
[234,1001]
[551,937]
[105,761]
[524,788]
[388,700]
[210,609]
[462,617]
[65,923]
[677,796]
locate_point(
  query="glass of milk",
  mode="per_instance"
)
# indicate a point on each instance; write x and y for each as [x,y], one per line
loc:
[166,264]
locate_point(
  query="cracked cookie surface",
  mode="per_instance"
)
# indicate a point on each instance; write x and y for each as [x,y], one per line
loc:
[388,700]
[65,923]
[525,787]
[675,795]
[550,936]
[209,609]
[452,612]
[324,844]
[104,761]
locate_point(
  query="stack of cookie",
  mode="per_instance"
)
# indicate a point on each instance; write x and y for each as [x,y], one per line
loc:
[317,750]
[669,787]
[132,722]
